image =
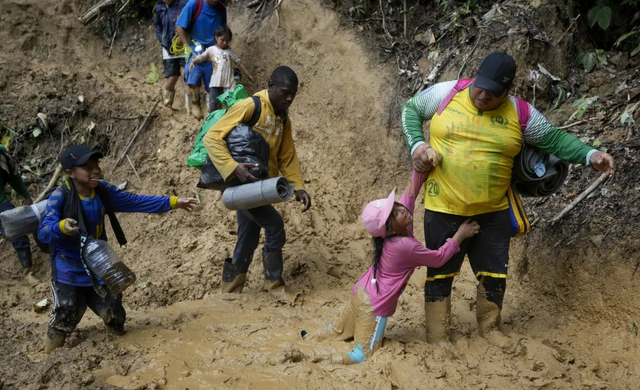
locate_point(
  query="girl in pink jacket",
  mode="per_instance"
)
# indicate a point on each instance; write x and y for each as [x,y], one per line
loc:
[396,254]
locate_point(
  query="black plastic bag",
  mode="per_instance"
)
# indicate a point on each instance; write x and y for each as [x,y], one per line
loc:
[245,146]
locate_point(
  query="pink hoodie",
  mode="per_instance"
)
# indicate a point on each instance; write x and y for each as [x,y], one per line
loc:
[400,256]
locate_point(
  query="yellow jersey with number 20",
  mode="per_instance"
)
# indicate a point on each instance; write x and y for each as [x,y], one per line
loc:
[478,150]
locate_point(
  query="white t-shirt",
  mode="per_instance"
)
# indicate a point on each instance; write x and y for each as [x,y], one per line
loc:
[222,68]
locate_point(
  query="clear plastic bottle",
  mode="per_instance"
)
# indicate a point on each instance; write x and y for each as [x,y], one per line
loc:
[106,264]
[23,220]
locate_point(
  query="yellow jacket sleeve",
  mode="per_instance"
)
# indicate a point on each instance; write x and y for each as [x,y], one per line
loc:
[288,163]
[214,141]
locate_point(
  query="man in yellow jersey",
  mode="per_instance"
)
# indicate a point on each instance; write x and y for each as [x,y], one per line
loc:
[478,135]
[275,126]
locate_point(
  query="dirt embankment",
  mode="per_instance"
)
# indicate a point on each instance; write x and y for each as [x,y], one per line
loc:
[570,305]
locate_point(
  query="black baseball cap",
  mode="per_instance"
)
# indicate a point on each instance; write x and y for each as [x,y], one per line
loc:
[496,73]
[76,155]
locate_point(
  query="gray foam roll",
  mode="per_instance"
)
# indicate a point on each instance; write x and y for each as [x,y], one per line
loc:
[260,193]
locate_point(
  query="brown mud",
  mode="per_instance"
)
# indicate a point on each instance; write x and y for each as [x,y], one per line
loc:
[570,308]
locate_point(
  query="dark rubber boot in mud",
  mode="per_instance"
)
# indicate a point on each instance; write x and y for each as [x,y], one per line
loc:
[233,279]
[116,331]
[24,255]
[437,321]
[51,344]
[272,263]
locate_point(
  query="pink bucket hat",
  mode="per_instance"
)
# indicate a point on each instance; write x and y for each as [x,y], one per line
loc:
[376,214]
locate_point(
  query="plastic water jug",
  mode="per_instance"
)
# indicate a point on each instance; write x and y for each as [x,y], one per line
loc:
[23,220]
[105,263]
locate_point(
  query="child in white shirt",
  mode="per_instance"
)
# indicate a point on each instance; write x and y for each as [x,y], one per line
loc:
[221,55]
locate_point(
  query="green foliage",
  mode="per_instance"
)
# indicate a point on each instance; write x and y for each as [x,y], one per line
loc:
[600,14]
[584,105]
[591,59]
[358,11]
[630,34]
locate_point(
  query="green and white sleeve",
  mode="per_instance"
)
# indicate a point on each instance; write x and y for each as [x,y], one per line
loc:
[422,107]
[542,134]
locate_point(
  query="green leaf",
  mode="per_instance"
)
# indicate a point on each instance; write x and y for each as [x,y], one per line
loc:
[589,62]
[592,16]
[596,143]
[36,132]
[81,140]
[635,51]
[154,74]
[625,36]
[600,14]
[634,330]
[604,17]
[626,117]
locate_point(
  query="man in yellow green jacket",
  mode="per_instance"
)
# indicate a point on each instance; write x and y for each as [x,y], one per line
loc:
[275,126]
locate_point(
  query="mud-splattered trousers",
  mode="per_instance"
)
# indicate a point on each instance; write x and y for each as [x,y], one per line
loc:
[250,223]
[357,321]
[488,253]
[70,303]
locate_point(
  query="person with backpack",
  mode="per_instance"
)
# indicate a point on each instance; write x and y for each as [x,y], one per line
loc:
[196,26]
[10,174]
[479,129]
[75,213]
[396,254]
[166,13]
[274,125]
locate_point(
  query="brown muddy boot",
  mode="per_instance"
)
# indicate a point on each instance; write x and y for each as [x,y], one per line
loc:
[50,344]
[167,97]
[233,279]
[437,320]
[194,100]
[488,316]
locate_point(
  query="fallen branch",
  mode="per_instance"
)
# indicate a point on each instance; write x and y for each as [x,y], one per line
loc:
[580,198]
[135,135]
[52,183]
[466,58]
[95,10]
[384,23]
[571,125]
[113,38]
[254,3]
[134,168]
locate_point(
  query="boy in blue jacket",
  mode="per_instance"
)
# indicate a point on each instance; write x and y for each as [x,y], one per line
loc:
[77,208]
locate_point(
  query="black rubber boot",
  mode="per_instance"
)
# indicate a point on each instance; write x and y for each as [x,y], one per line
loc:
[272,263]
[233,277]
[24,255]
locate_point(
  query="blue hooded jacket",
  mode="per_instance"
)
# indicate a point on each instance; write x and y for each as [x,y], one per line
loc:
[165,21]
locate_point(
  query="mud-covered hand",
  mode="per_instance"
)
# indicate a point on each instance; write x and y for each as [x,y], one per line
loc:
[468,229]
[303,196]
[420,159]
[28,202]
[189,204]
[70,227]
[192,64]
[602,162]
[243,174]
